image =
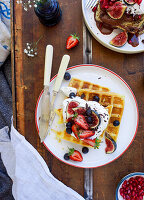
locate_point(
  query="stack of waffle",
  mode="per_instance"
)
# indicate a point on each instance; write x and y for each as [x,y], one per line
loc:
[113,102]
[128,23]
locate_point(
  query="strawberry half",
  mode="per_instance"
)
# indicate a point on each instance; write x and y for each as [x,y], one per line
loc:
[75,130]
[93,142]
[72,41]
[81,121]
[75,155]
[83,134]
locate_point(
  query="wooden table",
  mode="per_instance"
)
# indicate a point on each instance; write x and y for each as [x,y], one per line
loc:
[28,83]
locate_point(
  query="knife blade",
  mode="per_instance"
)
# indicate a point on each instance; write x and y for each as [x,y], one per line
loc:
[45,100]
[63,66]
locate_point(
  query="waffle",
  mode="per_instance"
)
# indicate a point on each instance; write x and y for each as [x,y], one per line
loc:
[80,84]
[106,99]
[125,23]
[65,136]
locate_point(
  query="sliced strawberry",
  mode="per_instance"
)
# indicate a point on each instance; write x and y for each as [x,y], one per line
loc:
[75,130]
[72,41]
[83,134]
[93,142]
[75,155]
[81,121]
[79,110]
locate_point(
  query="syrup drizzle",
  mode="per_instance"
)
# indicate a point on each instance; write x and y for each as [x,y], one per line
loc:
[103,28]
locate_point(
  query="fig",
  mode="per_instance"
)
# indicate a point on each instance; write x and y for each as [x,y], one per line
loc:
[117,10]
[110,144]
[96,120]
[70,106]
[130,2]
[120,39]
[79,110]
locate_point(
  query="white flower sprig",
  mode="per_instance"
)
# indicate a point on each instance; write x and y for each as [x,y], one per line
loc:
[31,48]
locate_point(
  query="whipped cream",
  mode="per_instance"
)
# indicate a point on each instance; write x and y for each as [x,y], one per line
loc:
[103,113]
[135,9]
[67,90]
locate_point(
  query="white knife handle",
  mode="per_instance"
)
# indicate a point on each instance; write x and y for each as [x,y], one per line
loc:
[48,64]
[61,72]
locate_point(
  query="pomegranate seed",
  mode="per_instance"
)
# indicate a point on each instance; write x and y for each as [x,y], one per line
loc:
[141,198]
[110,3]
[139,186]
[141,191]
[133,193]
[135,189]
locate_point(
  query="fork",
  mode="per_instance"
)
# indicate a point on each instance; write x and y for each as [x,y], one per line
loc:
[91,3]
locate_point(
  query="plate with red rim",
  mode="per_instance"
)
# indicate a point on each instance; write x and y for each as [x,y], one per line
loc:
[128,128]
[90,22]
[127,178]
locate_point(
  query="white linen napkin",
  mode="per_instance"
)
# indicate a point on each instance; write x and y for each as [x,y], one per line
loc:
[31,177]
[4,30]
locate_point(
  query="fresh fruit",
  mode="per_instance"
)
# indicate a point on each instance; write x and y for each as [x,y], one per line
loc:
[69,125]
[75,130]
[66,156]
[110,144]
[72,41]
[83,96]
[117,10]
[138,1]
[75,155]
[81,121]
[89,120]
[69,130]
[88,111]
[120,39]
[96,98]
[83,134]
[96,120]
[67,76]
[70,106]
[93,142]
[130,2]
[79,110]
[133,188]
[116,123]
[71,95]
[85,150]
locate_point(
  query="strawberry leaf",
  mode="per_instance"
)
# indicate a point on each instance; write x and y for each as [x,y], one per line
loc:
[71,151]
[97,143]
[75,115]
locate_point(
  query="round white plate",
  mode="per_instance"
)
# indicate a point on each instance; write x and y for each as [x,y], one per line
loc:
[95,157]
[105,39]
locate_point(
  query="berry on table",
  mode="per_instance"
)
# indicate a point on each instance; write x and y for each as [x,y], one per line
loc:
[66,156]
[67,76]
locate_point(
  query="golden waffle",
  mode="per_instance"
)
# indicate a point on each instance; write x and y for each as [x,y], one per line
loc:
[132,26]
[80,84]
[106,99]
[65,136]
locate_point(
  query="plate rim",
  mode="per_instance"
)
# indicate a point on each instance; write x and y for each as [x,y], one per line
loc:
[137,111]
[103,43]
[126,177]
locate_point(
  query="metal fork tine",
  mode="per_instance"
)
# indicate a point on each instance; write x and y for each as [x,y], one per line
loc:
[91,3]
[88,2]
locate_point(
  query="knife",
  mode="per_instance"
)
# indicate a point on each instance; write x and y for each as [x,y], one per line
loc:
[45,100]
[57,85]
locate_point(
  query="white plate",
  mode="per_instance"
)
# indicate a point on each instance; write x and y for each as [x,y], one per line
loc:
[128,127]
[105,39]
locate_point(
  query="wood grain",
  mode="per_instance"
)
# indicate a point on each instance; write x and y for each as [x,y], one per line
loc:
[28,83]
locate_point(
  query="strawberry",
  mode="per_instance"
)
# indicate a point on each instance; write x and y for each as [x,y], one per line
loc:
[83,134]
[75,155]
[81,121]
[93,142]
[72,41]
[75,130]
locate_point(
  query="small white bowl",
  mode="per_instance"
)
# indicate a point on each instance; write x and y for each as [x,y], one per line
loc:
[118,196]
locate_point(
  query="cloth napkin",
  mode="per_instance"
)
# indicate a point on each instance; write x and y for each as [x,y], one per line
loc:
[31,177]
[4,30]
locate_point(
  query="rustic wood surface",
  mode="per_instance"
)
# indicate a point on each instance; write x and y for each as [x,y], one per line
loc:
[28,83]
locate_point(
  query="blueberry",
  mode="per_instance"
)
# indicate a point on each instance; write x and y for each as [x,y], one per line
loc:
[72,94]
[66,156]
[69,130]
[89,120]
[116,123]
[67,76]
[69,125]
[96,98]
[85,150]
[89,111]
